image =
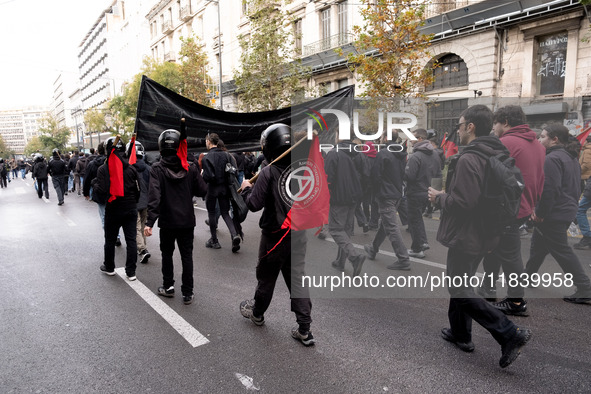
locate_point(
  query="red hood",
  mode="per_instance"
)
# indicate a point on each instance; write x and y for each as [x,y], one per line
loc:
[522,131]
[371,152]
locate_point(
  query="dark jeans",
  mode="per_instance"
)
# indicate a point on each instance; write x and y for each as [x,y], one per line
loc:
[287,257]
[388,227]
[114,220]
[370,209]
[340,226]
[507,255]
[184,239]
[416,206]
[59,183]
[403,211]
[224,203]
[42,187]
[465,306]
[550,237]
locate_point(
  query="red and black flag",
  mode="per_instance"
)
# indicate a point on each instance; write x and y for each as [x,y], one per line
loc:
[132,153]
[583,136]
[182,149]
[115,165]
[449,144]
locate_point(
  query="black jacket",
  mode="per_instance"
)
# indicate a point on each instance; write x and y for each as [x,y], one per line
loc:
[143,171]
[170,197]
[387,174]
[91,171]
[562,186]
[131,192]
[57,167]
[266,193]
[423,164]
[342,174]
[40,170]
[214,171]
[461,225]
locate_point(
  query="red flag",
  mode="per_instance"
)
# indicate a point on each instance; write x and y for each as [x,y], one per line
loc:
[115,176]
[310,193]
[132,153]
[583,136]
[448,144]
[181,152]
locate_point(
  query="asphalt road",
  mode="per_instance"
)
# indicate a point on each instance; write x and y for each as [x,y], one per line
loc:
[66,327]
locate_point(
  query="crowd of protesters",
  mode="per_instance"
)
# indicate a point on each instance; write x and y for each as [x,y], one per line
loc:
[381,190]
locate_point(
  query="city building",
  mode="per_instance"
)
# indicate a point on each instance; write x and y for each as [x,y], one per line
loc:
[19,126]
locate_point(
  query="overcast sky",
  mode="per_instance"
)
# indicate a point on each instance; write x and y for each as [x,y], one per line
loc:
[39,39]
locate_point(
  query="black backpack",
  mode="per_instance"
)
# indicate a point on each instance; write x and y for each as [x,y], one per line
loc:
[501,194]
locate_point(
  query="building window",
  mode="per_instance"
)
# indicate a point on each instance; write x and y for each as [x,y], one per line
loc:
[452,72]
[443,116]
[325,23]
[343,18]
[297,32]
[551,63]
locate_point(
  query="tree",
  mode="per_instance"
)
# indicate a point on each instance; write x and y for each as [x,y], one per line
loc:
[193,71]
[35,145]
[53,135]
[391,27]
[5,152]
[95,121]
[269,77]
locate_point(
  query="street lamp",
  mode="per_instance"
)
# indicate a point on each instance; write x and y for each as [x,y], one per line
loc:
[219,52]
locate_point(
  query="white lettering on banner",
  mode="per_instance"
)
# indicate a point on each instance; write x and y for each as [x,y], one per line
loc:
[553,67]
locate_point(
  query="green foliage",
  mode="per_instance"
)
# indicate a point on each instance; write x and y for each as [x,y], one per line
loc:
[392,28]
[193,71]
[270,76]
[95,121]
[52,135]
[5,153]
[35,145]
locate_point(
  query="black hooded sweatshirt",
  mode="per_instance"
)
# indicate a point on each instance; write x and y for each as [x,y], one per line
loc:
[170,197]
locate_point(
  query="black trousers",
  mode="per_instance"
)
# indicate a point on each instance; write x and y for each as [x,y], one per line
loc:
[114,220]
[507,255]
[550,237]
[285,256]
[416,206]
[465,306]
[184,239]
[224,203]
[42,187]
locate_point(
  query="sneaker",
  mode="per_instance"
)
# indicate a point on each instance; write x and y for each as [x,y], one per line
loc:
[428,215]
[512,347]
[464,346]
[60,203]
[187,299]
[307,339]
[399,266]
[131,278]
[418,255]
[104,270]
[357,264]
[235,243]
[213,244]
[583,244]
[246,309]
[511,308]
[166,292]
[489,294]
[118,242]
[425,246]
[144,256]
[321,235]
[579,297]
[523,231]
[365,229]
[338,265]
[371,254]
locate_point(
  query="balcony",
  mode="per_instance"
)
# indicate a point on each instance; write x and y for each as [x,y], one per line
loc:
[185,13]
[326,44]
[167,27]
[443,6]
[170,57]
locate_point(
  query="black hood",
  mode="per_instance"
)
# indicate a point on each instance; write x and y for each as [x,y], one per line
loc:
[488,144]
[173,168]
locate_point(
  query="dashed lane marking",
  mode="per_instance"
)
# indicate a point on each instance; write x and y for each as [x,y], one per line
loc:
[187,331]
[68,221]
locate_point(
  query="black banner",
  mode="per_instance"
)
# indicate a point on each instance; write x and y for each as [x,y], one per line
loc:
[160,108]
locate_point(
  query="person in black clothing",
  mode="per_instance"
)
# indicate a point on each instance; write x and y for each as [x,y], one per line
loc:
[143,170]
[555,211]
[280,249]
[170,201]
[58,171]
[120,211]
[239,158]
[40,172]
[91,171]
[3,173]
[214,173]
[345,192]
[71,170]
[462,231]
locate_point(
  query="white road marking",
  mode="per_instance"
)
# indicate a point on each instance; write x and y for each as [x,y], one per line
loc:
[67,220]
[246,381]
[187,331]
[202,209]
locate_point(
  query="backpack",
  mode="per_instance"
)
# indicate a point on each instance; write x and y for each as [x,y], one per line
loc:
[501,194]
[239,207]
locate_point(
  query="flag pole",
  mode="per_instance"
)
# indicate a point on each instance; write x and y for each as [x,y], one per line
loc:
[281,156]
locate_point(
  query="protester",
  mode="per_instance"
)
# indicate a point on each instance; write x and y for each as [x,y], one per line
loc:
[72,171]
[585,203]
[214,173]
[510,125]
[3,174]
[91,171]
[119,181]
[143,170]
[462,231]
[80,171]
[170,201]
[40,173]
[555,211]
[58,171]
[387,186]
[280,249]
